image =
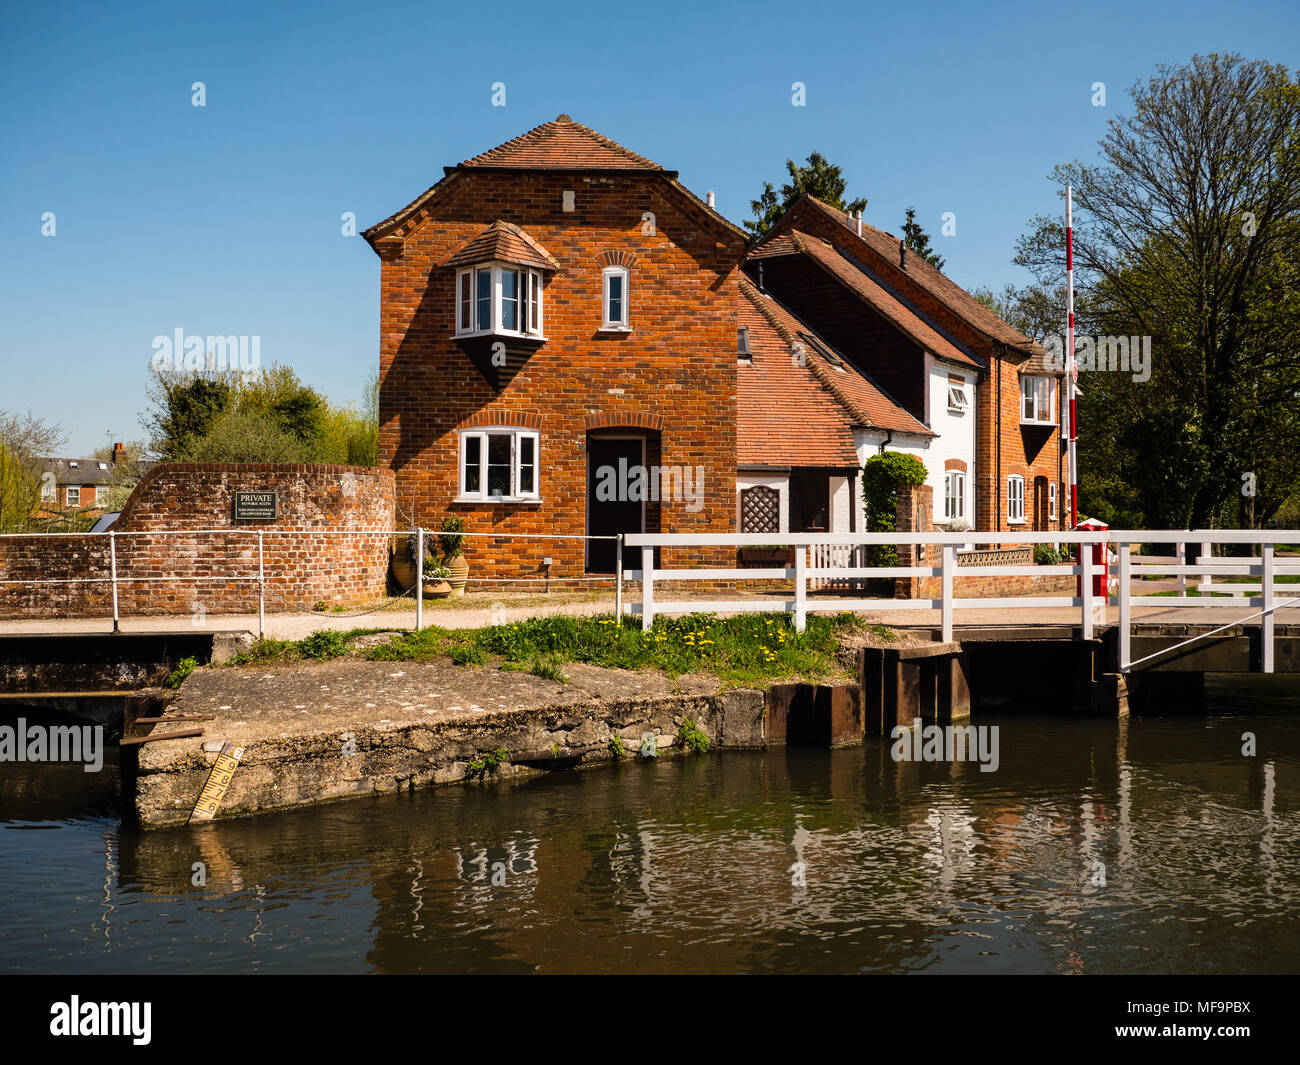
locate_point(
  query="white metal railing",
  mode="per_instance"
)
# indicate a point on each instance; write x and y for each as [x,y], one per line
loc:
[1193,558]
[818,558]
[803,574]
[112,577]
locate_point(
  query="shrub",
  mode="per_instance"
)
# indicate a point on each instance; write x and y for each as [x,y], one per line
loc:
[882,477]
[449,538]
[1046,555]
[692,737]
[183,669]
[463,655]
[616,747]
[323,644]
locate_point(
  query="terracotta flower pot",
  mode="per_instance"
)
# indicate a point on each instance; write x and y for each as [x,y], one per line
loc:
[459,574]
[401,563]
[436,589]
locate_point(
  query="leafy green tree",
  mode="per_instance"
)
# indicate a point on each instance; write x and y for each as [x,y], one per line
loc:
[918,240]
[268,416]
[817,177]
[24,442]
[1185,231]
[247,436]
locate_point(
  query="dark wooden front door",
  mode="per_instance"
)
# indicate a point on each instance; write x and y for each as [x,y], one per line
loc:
[810,502]
[610,516]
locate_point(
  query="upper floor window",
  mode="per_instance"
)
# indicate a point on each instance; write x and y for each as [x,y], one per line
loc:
[1015,499]
[498,298]
[957,402]
[499,465]
[954,495]
[614,298]
[1037,401]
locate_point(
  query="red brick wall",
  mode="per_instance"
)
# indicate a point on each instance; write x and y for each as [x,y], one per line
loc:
[301,570]
[674,373]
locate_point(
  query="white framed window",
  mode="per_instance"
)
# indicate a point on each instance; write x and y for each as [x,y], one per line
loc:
[499,298]
[499,465]
[1037,401]
[954,495]
[101,493]
[1016,499]
[74,496]
[957,399]
[614,298]
[1051,501]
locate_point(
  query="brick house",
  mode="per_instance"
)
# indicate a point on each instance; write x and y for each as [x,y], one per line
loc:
[979,385]
[808,420]
[570,346]
[557,314]
[84,484]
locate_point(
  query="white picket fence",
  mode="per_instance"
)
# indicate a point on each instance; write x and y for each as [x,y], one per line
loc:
[819,562]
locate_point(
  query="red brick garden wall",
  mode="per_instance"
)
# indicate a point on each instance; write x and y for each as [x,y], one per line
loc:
[173,506]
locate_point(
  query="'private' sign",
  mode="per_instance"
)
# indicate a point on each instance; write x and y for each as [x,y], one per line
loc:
[256,506]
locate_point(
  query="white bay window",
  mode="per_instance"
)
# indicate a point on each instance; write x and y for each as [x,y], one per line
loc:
[498,298]
[1037,401]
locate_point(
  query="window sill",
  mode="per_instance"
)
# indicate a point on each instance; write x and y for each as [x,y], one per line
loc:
[1014,521]
[510,333]
[512,500]
[614,329]
[1031,421]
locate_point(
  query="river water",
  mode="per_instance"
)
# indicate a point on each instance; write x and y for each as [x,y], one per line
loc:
[1147,846]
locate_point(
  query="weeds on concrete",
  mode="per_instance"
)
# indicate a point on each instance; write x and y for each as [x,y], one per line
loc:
[740,651]
[177,676]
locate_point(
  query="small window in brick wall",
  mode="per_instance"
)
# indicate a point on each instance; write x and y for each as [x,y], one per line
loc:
[760,510]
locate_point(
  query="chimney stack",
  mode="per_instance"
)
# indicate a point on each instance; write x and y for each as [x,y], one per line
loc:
[119,453]
[902,255]
[859,218]
[708,198]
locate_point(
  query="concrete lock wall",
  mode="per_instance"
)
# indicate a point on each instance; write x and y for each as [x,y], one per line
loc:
[154,570]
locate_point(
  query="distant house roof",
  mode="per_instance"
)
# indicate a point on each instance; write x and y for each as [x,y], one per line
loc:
[853,277]
[802,415]
[504,242]
[93,471]
[884,247]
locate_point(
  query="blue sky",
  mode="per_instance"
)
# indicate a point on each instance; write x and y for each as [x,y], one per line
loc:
[225,219]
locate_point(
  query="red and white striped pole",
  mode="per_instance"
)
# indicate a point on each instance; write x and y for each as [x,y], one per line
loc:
[1072,367]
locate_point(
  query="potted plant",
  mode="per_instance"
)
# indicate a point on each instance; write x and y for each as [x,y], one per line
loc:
[436,584]
[405,569]
[451,537]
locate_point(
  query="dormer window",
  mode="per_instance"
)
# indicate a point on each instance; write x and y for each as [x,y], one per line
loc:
[499,299]
[614,299]
[1037,401]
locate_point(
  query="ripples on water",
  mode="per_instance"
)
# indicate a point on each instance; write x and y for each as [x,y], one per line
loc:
[692,865]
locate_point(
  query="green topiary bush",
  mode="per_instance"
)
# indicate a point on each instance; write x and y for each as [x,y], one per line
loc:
[882,477]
